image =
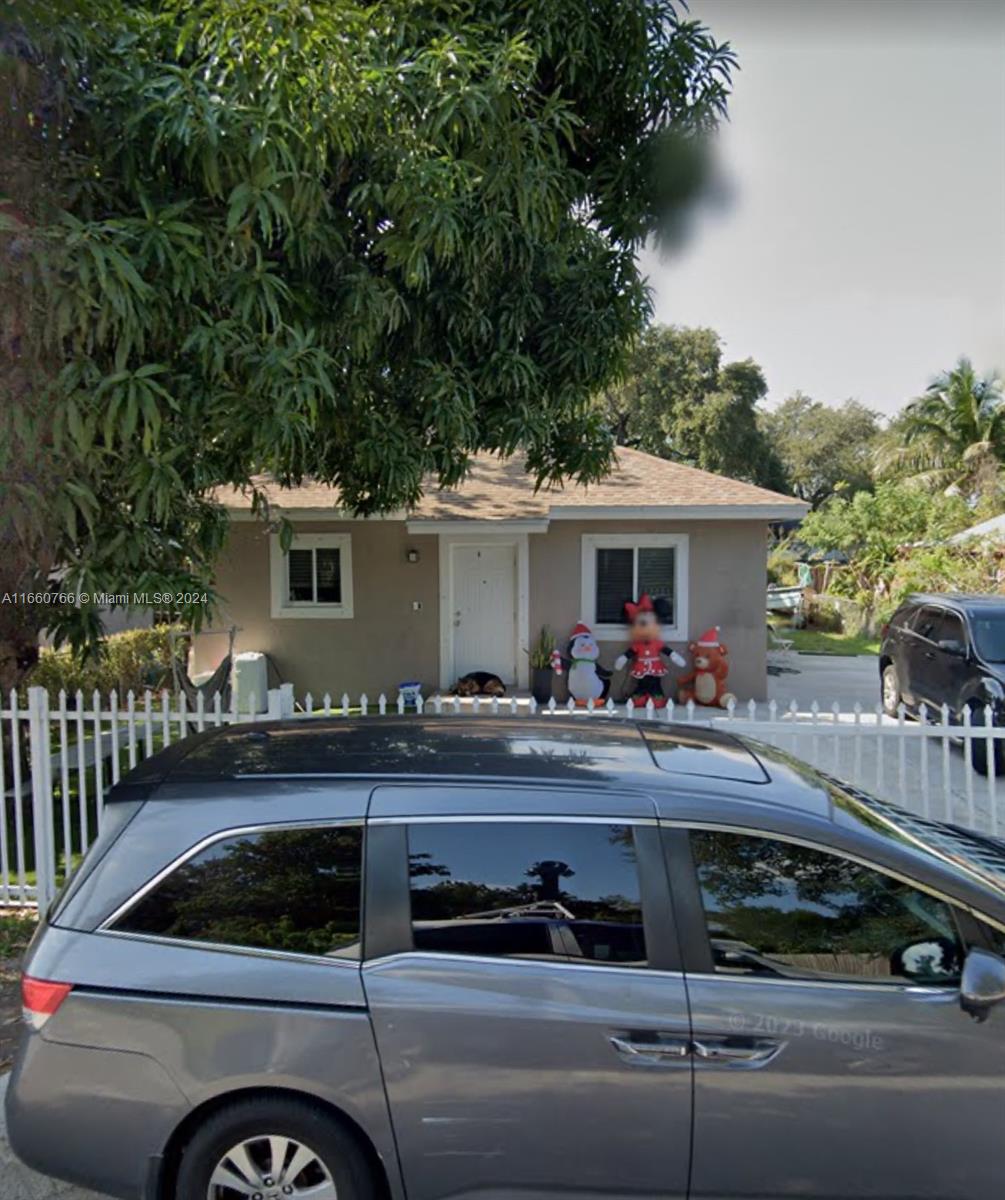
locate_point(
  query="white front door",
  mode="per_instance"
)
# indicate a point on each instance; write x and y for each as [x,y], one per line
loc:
[483,609]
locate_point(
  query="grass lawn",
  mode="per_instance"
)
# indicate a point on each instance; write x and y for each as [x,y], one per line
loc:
[815,641]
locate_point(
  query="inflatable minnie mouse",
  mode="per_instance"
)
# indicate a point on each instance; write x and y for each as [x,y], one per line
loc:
[646,653]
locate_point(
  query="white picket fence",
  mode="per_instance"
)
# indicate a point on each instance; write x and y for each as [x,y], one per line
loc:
[57,761]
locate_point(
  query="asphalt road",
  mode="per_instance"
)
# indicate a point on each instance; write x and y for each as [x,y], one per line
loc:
[955,791]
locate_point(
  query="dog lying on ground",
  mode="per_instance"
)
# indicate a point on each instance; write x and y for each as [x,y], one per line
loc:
[479,683]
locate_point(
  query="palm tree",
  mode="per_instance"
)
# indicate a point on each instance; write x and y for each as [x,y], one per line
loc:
[952,437]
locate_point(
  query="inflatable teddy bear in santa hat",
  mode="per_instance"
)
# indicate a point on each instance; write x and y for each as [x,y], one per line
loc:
[705,683]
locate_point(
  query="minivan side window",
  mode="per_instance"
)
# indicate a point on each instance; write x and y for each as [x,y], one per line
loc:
[780,910]
[542,890]
[293,890]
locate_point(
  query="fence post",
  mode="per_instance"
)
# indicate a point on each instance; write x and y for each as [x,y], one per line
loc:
[43,825]
[281,702]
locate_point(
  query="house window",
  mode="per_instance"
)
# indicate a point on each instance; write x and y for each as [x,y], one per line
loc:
[314,577]
[620,567]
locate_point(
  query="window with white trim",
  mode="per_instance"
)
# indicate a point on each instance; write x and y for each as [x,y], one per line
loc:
[621,567]
[314,577]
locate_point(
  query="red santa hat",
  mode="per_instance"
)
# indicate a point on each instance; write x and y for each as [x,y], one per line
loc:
[710,637]
[581,630]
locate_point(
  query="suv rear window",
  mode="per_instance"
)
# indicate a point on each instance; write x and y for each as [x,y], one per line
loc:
[292,890]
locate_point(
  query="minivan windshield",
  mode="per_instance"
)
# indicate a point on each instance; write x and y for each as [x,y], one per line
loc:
[979,856]
[976,854]
[989,635]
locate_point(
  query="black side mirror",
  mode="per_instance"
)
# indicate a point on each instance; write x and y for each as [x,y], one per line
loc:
[983,983]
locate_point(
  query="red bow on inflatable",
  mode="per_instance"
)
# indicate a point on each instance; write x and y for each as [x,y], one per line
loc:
[644,605]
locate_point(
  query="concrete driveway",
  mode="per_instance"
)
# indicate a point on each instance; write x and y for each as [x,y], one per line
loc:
[825,678]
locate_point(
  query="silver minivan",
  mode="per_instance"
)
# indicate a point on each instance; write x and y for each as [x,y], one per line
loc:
[433,958]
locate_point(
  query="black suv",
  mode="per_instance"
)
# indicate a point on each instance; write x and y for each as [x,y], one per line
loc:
[947,650]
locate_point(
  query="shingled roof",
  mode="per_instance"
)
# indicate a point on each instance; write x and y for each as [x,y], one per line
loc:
[499,489]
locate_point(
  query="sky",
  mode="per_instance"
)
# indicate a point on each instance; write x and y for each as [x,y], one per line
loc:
[859,248]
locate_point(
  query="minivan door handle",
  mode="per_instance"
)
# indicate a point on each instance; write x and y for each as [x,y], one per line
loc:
[663,1052]
[735,1051]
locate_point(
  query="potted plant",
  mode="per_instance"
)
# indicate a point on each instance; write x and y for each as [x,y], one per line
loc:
[540,665]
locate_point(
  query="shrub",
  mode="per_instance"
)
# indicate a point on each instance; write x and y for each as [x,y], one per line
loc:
[824,615]
[782,566]
[130,661]
[948,568]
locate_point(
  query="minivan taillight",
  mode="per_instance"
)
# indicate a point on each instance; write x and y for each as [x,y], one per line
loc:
[884,629]
[40,998]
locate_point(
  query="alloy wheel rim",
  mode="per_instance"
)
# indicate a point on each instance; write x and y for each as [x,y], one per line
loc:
[889,689]
[271,1167]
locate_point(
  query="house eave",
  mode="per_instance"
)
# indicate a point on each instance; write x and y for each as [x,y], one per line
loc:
[418,525]
[314,514]
[782,511]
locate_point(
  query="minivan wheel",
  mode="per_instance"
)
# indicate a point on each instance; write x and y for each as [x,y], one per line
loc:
[272,1149]
[891,690]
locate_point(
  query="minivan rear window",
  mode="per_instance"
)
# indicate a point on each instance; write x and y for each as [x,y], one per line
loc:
[292,890]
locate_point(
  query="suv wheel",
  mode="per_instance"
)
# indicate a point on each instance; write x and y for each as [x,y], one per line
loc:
[890,690]
[272,1149]
[979,747]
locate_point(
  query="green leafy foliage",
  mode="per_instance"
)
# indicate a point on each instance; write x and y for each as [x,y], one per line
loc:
[353,243]
[972,567]
[782,560]
[541,648]
[679,400]
[824,449]
[879,531]
[130,661]
[952,438]
[15,933]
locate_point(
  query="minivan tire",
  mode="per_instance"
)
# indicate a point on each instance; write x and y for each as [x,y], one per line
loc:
[265,1116]
[890,690]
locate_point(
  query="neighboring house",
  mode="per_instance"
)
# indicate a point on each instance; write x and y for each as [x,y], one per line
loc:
[466,581]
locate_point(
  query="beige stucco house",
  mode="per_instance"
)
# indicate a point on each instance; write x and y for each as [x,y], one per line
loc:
[466,580]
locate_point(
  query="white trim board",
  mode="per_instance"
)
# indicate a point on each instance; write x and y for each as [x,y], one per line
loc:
[446,582]
[592,542]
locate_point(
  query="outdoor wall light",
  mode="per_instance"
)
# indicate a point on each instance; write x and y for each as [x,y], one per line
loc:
[413,556]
